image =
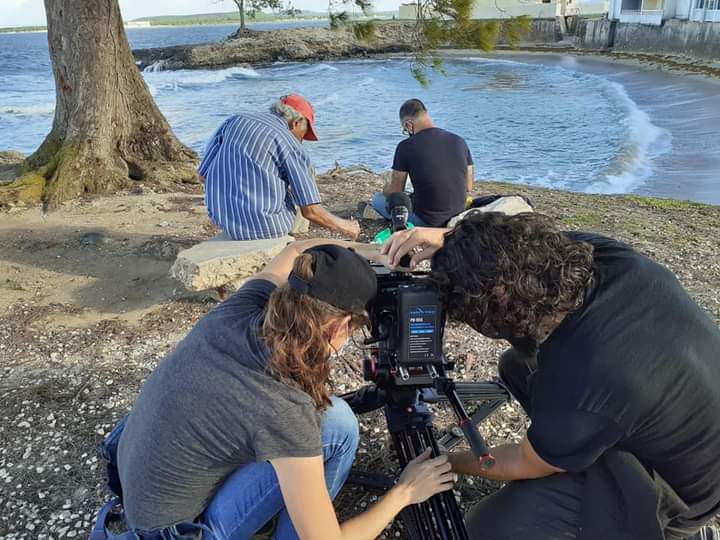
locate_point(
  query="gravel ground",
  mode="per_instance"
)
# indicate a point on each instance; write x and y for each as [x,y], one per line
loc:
[86,317]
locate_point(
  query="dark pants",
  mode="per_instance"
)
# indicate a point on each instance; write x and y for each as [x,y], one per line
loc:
[543,509]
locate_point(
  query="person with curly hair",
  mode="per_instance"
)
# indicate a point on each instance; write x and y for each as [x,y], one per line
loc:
[616,366]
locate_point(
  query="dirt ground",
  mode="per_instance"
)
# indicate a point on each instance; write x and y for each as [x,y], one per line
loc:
[87,310]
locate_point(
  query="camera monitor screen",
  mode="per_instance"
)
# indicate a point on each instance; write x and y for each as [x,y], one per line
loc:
[421,330]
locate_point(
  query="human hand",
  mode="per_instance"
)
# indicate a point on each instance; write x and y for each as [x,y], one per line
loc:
[351,228]
[424,477]
[421,242]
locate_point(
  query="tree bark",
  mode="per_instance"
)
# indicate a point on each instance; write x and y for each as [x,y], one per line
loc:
[241,7]
[107,132]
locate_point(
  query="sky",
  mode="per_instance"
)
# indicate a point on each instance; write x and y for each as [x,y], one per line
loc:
[32,12]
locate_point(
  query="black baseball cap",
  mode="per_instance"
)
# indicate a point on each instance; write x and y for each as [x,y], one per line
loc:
[341,278]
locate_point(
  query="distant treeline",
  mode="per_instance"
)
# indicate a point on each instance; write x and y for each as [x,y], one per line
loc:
[234,17]
[217,18]
[22,29]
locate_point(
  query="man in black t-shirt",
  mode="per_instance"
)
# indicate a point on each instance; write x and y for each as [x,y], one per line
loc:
[614,363]
[439,165]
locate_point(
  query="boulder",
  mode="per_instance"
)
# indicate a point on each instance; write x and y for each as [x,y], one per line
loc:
[11,157]
[221,263]
[9,163]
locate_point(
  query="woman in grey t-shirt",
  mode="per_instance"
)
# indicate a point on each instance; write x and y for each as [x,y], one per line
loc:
[236,425]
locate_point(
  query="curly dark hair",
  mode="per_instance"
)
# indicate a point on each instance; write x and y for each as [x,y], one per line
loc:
[504,275]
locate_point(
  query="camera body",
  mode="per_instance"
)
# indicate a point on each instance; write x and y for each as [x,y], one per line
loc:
[407,325]
[407,319]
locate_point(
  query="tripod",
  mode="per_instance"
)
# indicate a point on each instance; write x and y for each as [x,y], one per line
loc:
[410,424]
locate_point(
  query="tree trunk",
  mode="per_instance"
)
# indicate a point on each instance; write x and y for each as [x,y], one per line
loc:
[241,8]
[107,132]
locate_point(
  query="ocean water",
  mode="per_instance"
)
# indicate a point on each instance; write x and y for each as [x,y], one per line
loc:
[555,121]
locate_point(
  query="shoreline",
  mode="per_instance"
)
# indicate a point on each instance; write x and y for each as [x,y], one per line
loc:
[644,63]
[676,65]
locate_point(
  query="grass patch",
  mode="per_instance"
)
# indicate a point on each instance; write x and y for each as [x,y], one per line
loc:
[28,189]
[582,219]
[657,203]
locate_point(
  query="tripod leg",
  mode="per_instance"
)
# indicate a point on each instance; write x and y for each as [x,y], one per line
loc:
[439,518]
[407,450]
[446,507]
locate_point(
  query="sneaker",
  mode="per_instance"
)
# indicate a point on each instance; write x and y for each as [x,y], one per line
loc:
[267,531]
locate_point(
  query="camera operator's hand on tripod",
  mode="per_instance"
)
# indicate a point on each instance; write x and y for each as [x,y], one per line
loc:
[420,243]
[424,477]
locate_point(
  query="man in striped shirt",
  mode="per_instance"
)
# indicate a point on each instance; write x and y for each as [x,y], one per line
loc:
[256,173]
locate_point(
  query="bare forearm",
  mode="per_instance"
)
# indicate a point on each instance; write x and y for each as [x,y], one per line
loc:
[371,523]
[319,216]
[371,252]
[508,466]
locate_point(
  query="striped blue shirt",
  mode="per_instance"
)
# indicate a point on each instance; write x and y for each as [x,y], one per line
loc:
[256,173]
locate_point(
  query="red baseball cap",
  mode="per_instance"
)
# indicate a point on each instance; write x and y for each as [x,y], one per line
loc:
[302,105]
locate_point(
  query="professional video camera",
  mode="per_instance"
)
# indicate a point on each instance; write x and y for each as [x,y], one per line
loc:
[409,371]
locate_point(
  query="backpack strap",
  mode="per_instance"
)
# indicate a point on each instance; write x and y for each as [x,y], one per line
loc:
[107,516]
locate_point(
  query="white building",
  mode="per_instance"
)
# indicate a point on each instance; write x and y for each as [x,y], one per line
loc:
[656,11]
[536,9]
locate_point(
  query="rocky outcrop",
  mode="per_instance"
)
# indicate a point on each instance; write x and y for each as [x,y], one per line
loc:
[294,45]
[9,162]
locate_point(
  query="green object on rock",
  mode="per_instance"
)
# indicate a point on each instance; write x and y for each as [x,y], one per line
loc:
[382,236]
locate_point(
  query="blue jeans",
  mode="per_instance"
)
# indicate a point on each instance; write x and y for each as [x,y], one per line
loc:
[379,203]
[251,496]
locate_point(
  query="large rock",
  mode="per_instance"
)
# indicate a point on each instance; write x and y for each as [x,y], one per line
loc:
[9,162]
[11,157]
[221,263]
